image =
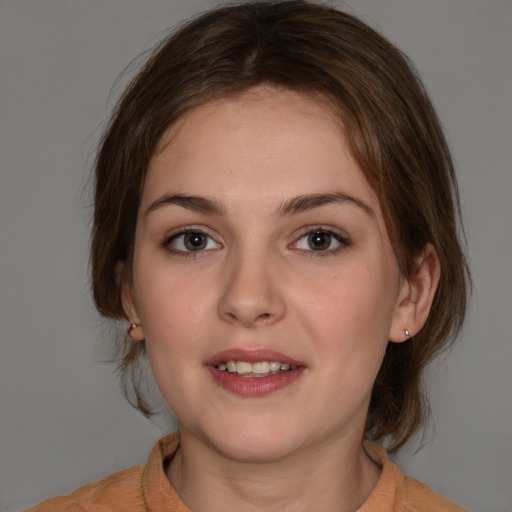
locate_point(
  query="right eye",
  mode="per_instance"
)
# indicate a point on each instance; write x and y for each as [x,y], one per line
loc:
[191,241]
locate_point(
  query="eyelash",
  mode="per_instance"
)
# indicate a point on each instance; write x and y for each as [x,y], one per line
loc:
[311,230]
[306,232]
[167,242]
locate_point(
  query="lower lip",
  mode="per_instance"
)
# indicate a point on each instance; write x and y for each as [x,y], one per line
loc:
[254,386]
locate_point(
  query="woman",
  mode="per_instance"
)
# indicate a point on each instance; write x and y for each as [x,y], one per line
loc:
[276,222]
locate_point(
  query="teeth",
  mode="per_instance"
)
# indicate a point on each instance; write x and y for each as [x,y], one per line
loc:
[242,367]
[259,368]
[274,366]
[262,367]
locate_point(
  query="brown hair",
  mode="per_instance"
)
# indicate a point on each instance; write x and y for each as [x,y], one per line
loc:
[390,125]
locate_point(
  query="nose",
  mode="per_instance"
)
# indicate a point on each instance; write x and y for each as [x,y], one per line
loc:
[252,292]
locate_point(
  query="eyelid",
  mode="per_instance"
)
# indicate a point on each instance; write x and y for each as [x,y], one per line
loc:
[337,232]
[190,228]
[339,235]
[185,230]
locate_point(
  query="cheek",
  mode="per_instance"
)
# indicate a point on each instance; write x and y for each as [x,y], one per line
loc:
[349,316]
[172,307]
[173,311]
[355,302]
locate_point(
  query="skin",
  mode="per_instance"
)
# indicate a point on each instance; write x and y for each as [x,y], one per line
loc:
[258,284]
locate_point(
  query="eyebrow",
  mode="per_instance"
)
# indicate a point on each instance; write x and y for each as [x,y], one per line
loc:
[199,204]
[310,201]
[292,206]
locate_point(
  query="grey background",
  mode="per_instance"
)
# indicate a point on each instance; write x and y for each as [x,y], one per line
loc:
[63,421]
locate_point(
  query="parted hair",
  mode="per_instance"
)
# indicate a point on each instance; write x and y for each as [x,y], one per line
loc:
[391,128]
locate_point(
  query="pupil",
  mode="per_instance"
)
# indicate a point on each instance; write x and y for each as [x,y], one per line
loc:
[195,241]
[318,241]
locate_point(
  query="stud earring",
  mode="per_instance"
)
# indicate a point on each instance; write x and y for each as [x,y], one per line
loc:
[407,334]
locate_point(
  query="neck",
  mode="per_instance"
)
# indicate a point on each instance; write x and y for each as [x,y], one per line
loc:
[335,476]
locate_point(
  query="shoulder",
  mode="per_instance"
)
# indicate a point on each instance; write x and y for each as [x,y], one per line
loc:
[118,491]
[397,492]
[421,498]
[135,489]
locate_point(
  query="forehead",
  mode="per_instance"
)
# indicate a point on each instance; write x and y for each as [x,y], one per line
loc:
[272,142]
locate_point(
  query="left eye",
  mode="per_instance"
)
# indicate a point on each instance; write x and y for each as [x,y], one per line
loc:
[192,241]
[319,241]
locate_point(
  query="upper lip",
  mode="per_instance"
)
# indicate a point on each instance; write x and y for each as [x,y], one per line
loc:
[251,356]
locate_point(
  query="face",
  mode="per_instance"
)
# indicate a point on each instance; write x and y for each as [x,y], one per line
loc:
[263,277]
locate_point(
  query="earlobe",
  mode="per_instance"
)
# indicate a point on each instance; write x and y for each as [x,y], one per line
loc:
[416,296]
[134,330]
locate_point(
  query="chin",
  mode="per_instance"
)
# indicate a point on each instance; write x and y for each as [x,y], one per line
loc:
[256,449]
[259,442]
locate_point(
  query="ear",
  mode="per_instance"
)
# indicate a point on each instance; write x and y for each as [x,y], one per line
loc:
[129,304]
[416,295]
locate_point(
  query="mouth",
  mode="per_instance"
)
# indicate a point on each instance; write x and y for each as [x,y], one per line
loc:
[254,373]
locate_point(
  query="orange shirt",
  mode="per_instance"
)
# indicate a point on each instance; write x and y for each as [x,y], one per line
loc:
[145,488]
